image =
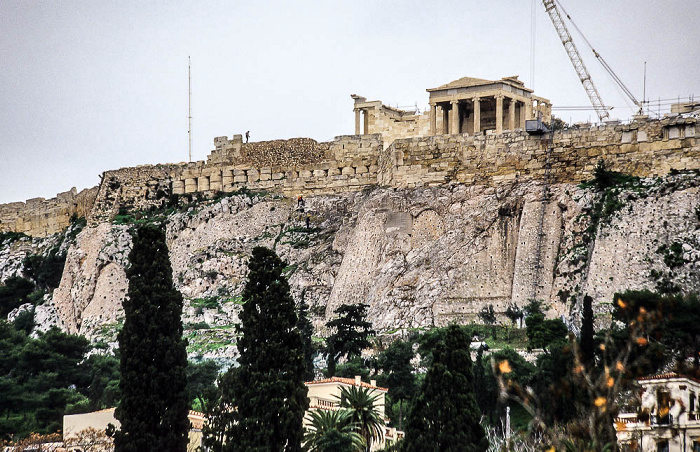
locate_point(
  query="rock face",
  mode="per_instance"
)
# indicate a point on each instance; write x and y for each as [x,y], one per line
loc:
[419,257]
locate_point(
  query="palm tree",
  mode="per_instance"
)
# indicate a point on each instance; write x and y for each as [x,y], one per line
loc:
[363,406]
[332,431]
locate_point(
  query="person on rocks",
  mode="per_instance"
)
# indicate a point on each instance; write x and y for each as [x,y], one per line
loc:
[300,201]
[308,222]
[247,135]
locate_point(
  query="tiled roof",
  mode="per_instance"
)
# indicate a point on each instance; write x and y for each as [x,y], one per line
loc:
[667,375]
[347,381]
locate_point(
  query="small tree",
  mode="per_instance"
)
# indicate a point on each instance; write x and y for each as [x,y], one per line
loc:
[488,316]
[351,332]
[395,361]
[154,406]
[263,401]
[201,383]
[514,313]
[445,416]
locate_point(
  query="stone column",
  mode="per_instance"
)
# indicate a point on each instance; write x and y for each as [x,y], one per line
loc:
[511,114]
[499,114]
[454,112]
[521,119]
[528,110]
[433,118]
[445,120]
[366,112]
[477,115]
[357,121]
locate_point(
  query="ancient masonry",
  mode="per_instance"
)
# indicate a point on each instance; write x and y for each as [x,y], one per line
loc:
[472,134]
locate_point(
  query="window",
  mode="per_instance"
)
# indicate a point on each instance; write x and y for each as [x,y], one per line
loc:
[662,446]
[692,403]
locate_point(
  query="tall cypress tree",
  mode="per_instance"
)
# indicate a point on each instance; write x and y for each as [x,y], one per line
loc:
[587,331]
[306,329]
[263,401]
[445,416]
[154,404]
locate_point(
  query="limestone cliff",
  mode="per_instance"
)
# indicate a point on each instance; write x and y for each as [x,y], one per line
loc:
[427,230]
[419,257]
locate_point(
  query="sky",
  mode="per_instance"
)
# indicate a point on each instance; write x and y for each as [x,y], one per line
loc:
[93,85]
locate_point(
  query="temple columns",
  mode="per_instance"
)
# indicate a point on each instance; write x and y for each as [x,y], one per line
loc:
[445,120]
[499,114]
[357,121]
[454,116]
[477,115]
[433,118]
[511,114]
[528,110]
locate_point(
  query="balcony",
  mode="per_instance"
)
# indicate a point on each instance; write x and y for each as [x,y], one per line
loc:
[661,420]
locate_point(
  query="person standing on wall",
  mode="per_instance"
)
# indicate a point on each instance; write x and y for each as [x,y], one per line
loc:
[247,135]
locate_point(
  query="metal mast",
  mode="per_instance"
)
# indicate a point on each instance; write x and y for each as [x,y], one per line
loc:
[583,75]
[189,104]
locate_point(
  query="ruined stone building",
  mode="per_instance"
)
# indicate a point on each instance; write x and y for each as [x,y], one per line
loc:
[467,105]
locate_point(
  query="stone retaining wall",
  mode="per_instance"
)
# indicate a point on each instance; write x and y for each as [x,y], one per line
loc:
[350,163]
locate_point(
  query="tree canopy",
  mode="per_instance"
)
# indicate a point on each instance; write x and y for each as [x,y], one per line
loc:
[350,334]
[154,404]
[445,415]
[263,401]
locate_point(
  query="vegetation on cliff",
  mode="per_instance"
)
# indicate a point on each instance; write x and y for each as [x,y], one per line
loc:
[44,378]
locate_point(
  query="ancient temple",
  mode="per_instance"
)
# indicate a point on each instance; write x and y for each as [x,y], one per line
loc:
[468,105]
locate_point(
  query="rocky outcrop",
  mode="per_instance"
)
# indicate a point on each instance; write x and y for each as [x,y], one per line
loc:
[419,257]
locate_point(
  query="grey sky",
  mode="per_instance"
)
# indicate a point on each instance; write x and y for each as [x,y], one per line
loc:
[88,86]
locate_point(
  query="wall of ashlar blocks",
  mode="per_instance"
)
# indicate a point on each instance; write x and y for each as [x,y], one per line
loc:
[652,148]
[350,163]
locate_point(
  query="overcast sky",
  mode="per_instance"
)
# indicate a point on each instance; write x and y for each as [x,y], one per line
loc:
[88,86]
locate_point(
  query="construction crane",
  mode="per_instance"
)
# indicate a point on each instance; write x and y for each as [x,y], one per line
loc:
[551,7]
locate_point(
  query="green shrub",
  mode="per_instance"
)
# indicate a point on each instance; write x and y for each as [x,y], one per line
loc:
[10,236]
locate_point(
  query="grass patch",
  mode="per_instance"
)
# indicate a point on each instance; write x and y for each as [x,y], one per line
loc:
[205,302]
[238,299]
[203,341]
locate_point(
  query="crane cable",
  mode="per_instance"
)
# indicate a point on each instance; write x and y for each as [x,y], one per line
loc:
[602,61]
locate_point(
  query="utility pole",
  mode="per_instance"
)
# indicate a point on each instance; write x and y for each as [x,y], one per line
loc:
[189,105]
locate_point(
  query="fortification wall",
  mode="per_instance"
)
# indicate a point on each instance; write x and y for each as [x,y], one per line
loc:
[41,217]
[651,148]
[350,163]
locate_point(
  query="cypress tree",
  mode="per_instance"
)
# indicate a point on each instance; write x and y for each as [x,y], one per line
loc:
[587,331]
[445,416]
[263,401]
[154,405]
[306,329]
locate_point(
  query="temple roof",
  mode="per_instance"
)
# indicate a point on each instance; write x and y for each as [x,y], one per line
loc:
[467,82]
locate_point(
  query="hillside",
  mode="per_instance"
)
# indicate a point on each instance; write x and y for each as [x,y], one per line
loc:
[419,257]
